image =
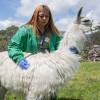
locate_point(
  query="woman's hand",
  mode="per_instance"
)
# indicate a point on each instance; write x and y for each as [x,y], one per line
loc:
[23,64]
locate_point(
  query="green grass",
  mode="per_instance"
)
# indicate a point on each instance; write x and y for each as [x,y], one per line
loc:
[84,86]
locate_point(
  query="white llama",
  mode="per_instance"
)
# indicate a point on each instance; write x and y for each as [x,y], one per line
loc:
[47,72]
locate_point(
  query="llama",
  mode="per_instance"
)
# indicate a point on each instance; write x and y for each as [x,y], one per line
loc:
[47,72]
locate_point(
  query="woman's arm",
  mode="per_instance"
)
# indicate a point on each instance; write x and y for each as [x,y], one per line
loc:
[15,46]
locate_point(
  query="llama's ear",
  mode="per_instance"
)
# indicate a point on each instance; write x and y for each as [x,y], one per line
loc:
[79,15]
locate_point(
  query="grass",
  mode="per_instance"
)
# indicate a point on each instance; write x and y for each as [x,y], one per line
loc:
[84,86]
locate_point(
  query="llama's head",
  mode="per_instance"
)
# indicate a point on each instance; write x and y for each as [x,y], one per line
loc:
[75,34]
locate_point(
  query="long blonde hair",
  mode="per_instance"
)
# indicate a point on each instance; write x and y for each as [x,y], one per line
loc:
[50,27]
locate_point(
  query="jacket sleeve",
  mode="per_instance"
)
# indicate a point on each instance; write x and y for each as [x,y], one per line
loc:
[58,39]
[15,46]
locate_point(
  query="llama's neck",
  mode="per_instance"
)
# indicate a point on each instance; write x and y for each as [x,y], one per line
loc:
[66,64]
[73,37]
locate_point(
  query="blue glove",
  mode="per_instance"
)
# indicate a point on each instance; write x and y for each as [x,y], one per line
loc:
[74,50]
[24,64]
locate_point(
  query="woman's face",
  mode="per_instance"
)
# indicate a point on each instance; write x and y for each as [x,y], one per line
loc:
[43,17]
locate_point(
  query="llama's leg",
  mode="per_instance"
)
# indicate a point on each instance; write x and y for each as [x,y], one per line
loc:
[32,96]
[2,92]
[53,96]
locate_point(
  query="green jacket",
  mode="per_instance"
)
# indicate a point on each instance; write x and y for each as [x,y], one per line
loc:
[25,41]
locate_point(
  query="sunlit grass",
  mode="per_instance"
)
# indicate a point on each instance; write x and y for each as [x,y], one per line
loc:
[84,86]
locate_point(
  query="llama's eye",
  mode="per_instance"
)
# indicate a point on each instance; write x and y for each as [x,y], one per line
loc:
[86,21]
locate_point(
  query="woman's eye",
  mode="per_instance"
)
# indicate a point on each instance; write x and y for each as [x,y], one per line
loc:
[43,16]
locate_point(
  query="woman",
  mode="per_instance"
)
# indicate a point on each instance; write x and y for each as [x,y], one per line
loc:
[38,35]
